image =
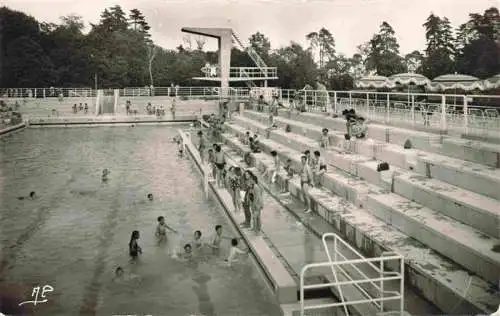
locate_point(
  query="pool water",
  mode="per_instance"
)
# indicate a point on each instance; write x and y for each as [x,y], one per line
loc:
[75,233]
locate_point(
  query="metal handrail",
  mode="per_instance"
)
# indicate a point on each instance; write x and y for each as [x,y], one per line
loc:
[336,264]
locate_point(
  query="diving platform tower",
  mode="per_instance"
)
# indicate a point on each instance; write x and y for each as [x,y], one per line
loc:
[224,73]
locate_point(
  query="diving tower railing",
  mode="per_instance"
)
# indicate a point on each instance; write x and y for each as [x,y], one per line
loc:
[343,268]
[250,73]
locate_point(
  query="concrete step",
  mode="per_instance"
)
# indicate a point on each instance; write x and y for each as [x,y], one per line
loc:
[468,175]
[264,163]
[484,153]
[485,263]
[439,280]
[459,242]
[345,185]
[478,211]
[472,208]
[388,134]
[478,152]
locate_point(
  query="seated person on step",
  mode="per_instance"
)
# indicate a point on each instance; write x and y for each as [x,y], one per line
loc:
[289,175]
[355,124]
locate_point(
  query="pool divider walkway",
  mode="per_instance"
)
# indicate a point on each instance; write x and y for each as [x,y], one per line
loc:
[286,245]
[10,129]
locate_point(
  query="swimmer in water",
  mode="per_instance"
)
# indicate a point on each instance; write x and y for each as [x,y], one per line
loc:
[197,241]
[32,196]
[119,273]
[188,253]
[105,174]
[180,145]
[161,230]
[215,245]
[133,246]
[234,251]
[150,197]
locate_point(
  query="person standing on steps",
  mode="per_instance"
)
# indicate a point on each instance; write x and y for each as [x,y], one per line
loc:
[173,108]
[257,203]
[201,146]
[306,179]
[246,200]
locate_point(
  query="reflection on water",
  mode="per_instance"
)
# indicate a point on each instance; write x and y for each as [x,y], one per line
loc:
[75,233]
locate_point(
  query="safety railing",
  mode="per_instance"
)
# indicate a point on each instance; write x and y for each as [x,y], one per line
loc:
[47,93]
[243,72]
[372,277]
[449,113]
[477,115]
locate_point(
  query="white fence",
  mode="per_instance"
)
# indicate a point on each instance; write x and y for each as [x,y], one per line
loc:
[477,115]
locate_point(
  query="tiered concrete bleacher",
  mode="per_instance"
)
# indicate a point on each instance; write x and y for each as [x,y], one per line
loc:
[444,207]
[43,107]
[182,106]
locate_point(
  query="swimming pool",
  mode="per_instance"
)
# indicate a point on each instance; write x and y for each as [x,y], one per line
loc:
[76,232]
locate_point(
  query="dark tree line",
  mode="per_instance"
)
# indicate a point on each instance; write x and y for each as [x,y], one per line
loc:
[119,52]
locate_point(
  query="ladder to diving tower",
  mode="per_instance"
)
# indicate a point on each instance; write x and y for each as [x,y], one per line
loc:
[254,56]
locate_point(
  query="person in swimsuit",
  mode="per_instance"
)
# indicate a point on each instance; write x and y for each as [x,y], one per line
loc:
[201,146]
[307,153]
[32,196]
[150,197]
[105,174]
[235,188]
[133,246]
[289,175]
[173,108]
[161,230]
[188,253]
[306,178]
[271,127]
[234,251]
[220,162]
[216,240]
[319,167]
[257,203]
[211,162]
[197,241]
[246,200]
[215,245]
[246,139]
[324,141]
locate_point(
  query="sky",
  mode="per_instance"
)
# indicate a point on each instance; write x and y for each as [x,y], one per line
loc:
[351,22]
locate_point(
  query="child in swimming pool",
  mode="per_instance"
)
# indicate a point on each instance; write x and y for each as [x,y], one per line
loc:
[197,241]
[133,246]
[234,251]
[161,230]
[105,174]
[188,253]
[32,196]
[150,197]
[180,145]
